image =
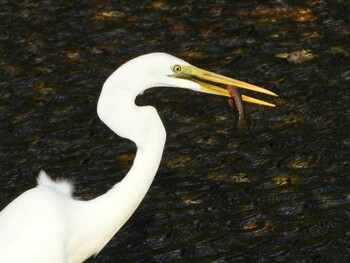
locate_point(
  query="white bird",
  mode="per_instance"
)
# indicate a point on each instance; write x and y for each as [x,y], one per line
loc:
[47,225]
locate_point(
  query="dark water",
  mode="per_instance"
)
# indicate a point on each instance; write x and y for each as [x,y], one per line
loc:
[280,193]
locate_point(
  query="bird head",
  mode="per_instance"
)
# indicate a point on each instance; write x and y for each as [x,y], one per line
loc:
[116,106]
[161,69]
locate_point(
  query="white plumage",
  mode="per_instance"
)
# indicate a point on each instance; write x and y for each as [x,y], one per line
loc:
[47,225]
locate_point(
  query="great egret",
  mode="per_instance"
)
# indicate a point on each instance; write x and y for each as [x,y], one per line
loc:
[46,224]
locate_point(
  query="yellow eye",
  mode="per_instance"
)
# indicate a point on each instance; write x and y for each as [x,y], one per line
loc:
[176,69]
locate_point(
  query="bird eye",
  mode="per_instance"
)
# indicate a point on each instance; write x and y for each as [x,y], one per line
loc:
[176,68]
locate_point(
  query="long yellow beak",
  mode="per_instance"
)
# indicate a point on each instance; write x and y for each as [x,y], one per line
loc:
[202,77]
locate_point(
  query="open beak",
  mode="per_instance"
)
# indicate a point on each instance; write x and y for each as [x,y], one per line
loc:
[208,82]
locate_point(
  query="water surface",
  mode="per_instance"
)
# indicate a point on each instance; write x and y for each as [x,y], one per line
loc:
[279,193]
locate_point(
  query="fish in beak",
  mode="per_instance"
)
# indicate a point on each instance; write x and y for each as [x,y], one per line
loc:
[210,82]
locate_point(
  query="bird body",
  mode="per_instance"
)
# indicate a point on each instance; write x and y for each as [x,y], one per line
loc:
[31,226]
[46,224]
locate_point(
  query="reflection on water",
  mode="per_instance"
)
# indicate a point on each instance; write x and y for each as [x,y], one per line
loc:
[278,193]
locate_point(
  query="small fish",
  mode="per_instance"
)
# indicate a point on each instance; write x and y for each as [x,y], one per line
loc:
[236,100]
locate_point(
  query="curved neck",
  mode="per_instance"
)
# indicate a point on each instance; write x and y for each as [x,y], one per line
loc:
[111,210]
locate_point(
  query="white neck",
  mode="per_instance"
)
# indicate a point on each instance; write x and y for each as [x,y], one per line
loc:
[111,210]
